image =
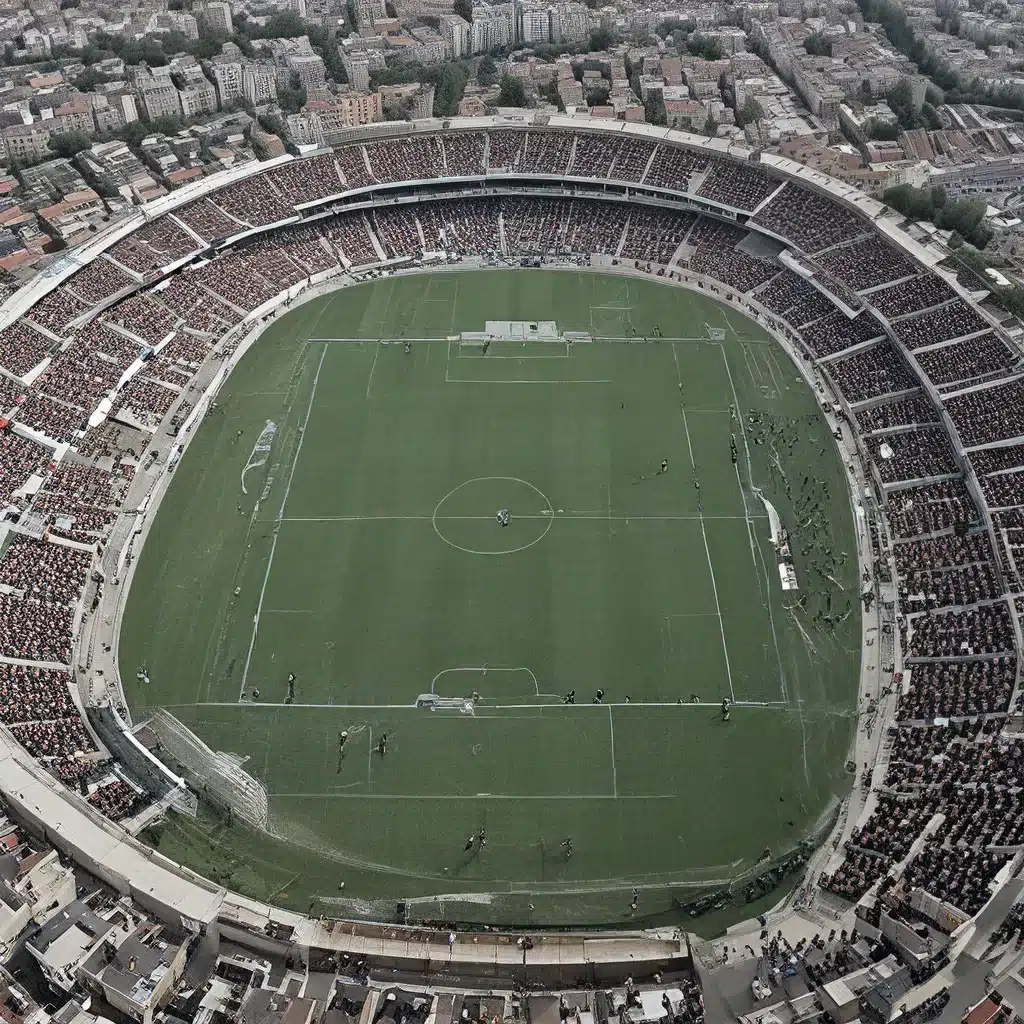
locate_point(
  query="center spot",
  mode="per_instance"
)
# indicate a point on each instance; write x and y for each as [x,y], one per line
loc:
[466,518]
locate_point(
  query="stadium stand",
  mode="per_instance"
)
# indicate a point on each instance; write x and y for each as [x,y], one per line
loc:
[960,644]
[22,347]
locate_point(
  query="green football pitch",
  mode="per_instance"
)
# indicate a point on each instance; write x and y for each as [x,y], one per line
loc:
[375,570]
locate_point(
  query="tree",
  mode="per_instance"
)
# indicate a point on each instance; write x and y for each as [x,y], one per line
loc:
[449,89]
[597,95]
[711,127]
[272,123]
[283,25]
[931,117]
[67,144]
[751,112]
[654,108]
[549,90]
[487,70]
[701,46]
[291,101]
[964,217]
[464,9]
[601,39]
[901,102]
[513,92]
[206,47]
[882,130]
[89,79]
[818,44]
[669,25]
[133,133]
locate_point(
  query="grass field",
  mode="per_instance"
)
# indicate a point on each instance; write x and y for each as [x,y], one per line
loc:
[375,571]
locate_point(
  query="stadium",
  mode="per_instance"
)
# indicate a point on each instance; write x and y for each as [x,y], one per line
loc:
[517,523]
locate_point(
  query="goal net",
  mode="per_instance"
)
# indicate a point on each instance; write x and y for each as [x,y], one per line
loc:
[215,775]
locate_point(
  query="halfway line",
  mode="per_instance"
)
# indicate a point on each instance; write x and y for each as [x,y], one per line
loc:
[427,519]
[577,708]
[473,796]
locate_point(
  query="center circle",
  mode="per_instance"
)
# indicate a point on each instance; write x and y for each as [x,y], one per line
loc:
[469,512]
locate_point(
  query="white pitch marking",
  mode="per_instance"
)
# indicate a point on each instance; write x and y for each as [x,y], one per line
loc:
[477,796]
[376,352]
[280,516]
[462,380]
[711,568]
[545,515]
[773,705]
[369,761]
[615,770]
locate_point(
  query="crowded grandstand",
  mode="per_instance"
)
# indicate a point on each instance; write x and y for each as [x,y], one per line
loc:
[925,377]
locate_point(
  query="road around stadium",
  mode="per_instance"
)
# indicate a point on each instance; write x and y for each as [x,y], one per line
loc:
[260,868]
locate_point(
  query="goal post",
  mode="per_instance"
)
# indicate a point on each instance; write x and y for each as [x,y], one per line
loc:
[214,775]
[434,702]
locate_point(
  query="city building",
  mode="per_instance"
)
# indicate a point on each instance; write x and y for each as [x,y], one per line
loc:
[411,101]
[570,23]
[74,116]
[369,11]
[173,21]
[534,22]
[457,35]
[432,46]
[306,129]
[347,111]
[259,83]
[119,170]
[494,25]
[228,78]
[308,69]
[198,99]
[16,1005]
[26,142]
[159,99]
[139,975]
[216,15]
[266,145]
[34,885]
[114,108]
[359,60]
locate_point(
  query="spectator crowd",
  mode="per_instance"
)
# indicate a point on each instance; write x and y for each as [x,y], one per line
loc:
[893,323]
